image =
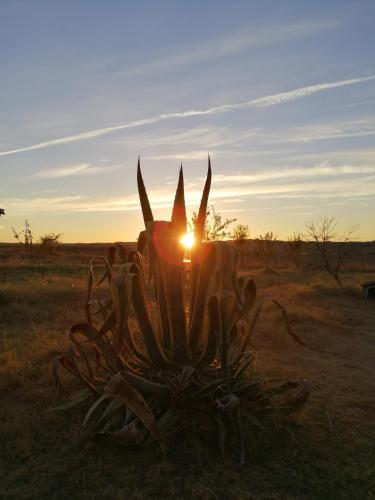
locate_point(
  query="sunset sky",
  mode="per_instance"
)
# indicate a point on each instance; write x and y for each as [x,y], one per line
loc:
[280,93]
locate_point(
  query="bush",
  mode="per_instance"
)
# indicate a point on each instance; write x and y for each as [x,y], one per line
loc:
[49,242]
[240,236]
[168,363]
[295,247]
[265,247]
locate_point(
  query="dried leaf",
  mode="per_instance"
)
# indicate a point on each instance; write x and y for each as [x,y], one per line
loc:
[120,389]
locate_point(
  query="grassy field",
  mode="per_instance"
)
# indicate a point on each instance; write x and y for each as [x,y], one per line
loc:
[327,453]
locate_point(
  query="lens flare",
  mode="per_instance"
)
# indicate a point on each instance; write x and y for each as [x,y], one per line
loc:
[188,240]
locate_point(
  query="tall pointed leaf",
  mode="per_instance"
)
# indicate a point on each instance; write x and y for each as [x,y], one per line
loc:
[201,219]
[143,198]
[179,209]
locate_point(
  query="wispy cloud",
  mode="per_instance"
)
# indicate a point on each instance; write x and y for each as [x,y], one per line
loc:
[233,43]
[360,103]
[72,170]
[322,170]
[323,181]
[353,156]
[337,130]
[266,101]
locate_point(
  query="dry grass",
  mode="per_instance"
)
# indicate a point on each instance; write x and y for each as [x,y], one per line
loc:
[329,454]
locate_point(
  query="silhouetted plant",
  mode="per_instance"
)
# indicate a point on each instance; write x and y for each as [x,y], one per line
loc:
[17,235]
[240,235]
[295,247]
[216,227]
[265,247]
[28,236]
[322,233]
[151,361]
[24,237]
[49,242]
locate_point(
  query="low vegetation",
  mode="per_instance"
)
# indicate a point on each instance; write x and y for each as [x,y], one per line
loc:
[240,235]
[322,233]
[49,243]
[24,237]
[216,227]
[325,452]
[295,248]
[185,355]
[265,248]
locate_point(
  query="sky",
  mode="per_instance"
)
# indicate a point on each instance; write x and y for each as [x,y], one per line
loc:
[281,94]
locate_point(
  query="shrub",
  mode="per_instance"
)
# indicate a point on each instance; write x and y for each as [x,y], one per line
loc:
[295,247]
[49,242]
[240,235]
[152,359]
[24,237]
[322,233]
[265,247]
[216,228]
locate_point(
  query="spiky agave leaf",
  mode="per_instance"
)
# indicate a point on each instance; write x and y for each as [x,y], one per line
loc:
[202,213]
[178,220]
[119,388]
[143,198]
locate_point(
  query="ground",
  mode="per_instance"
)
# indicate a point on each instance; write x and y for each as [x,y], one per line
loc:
[326,453]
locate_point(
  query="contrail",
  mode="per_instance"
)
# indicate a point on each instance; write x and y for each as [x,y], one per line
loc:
[266,101]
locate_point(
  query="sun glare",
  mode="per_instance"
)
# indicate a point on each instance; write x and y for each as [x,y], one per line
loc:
[188,240]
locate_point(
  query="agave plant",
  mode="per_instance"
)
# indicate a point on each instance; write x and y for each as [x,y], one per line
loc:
[150,355]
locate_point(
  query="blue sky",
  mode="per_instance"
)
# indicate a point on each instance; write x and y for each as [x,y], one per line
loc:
[280,93]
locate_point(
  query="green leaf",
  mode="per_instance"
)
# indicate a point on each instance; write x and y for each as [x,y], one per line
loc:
[77,399]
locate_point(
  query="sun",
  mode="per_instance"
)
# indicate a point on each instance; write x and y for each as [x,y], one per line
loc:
[188,240]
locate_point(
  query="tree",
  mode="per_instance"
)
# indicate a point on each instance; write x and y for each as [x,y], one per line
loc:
[322,233]
[2,212]
[295,245]
[216,227]
[49,242]
[240,234]
[265,247]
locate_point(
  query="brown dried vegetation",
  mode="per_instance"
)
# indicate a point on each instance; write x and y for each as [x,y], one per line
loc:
[181,351]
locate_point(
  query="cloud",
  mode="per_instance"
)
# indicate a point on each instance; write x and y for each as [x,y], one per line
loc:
[352,155]
[323,181]
[360,103]
[321,170]
[232,44]
[72,170]
[271,100]
[194,143]
[337,130]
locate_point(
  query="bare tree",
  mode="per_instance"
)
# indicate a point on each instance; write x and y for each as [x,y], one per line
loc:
[265,247]
[216,227]
[240,234]
[295,245]
[322,233]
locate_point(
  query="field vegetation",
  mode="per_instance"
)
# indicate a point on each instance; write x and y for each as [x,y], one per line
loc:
[328,452]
